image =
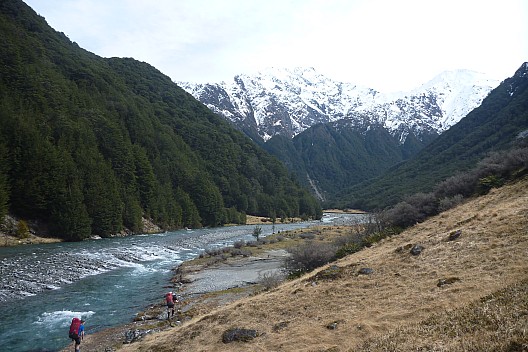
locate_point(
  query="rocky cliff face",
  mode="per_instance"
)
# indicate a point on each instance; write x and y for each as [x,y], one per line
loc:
[287,102]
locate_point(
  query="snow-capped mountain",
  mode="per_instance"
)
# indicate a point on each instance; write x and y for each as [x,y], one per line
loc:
[284,101]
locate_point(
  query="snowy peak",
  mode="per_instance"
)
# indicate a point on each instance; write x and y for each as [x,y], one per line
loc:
[288,101]
[457,93]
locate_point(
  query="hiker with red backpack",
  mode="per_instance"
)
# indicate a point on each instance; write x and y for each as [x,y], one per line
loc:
[170,298]
[77,332]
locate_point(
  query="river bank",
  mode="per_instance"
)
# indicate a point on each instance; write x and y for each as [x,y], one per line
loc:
[10,241]
[199,294]
[209,282]
[38,234]
[106,281]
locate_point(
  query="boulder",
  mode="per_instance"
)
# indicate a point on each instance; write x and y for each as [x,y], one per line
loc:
[447,281]
[417,249]
[238,334]
[135,335]
[333,325]
[365,271]
[454,235]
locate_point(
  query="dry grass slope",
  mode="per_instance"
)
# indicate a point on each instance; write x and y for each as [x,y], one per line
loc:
[481,306]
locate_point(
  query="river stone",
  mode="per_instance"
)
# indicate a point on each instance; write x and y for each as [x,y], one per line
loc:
[238,334]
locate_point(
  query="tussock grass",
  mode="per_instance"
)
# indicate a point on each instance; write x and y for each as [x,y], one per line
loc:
[399,306]
[497,322]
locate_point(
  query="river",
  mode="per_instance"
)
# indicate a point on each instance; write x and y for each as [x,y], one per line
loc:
[106,281]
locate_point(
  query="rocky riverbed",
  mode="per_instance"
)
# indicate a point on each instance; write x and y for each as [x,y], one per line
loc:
[27,275]
[230,274]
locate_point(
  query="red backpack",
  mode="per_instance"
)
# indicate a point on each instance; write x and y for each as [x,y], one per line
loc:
[74,327]
[169,298]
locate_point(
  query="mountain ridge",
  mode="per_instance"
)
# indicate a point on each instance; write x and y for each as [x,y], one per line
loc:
[289,101]
[498,123]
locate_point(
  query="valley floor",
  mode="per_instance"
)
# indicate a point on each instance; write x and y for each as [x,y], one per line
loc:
[468,294]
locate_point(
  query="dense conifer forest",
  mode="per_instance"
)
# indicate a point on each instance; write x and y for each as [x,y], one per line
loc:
[339,154]
[90,146]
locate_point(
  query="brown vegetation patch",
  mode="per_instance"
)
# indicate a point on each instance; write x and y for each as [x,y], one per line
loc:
[400,300]
[497,322]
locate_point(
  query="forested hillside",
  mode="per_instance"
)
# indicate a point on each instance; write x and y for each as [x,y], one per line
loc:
[91,145]
[332,156]
[500,122]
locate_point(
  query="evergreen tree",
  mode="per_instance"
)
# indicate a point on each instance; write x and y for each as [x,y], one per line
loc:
[4,190]
[190,215]
[69,218]
[102,199]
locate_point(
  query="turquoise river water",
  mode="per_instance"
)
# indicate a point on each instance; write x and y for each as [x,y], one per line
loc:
[105,281]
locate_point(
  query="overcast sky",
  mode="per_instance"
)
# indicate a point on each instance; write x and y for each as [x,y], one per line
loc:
[388,45]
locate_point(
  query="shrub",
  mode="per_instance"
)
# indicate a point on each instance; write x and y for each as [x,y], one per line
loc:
[402,214]
[504,163]
[252,244]
[307,236]
[489,182]
[463,184]
[213,252]
[239,244]
[271,279]
[22,229]
[309,256]
[235,252]
[378,236]
[449,202]
[350,238]
[347,249]
[414,209]
[374,223]
[425,203]
[245,252]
